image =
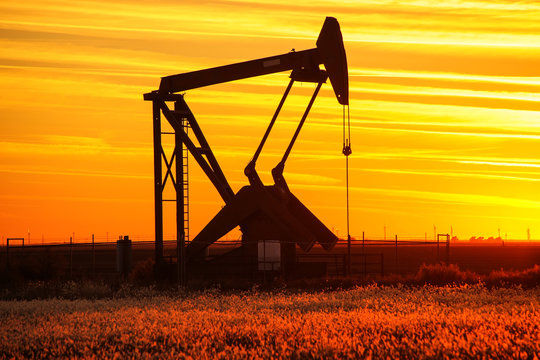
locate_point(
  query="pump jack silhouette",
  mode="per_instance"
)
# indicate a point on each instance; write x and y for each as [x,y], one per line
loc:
[263,212]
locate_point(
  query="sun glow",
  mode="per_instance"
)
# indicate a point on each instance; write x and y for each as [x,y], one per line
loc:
[444,106]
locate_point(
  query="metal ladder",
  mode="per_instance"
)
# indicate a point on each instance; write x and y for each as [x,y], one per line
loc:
[185,183]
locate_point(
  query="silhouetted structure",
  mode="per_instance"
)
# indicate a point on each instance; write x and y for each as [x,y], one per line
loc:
[264,213]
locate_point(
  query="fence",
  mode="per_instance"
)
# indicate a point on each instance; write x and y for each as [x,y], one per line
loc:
[401,256]
[99,260]
[71,260]
[368,256]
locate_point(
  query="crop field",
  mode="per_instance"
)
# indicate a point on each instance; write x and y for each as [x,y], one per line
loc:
[467,321]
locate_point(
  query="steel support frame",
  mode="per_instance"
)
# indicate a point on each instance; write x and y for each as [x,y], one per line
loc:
[158,189]
[201,152]
[177,179]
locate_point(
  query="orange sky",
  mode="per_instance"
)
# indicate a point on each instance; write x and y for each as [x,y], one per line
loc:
[444,106]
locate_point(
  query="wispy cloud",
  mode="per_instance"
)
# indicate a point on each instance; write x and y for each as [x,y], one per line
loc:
[451,132]
[388,73]
[447,156]
[529,164]
[76,199]
[457,199]
[457,173]
[76,173]
[67,145]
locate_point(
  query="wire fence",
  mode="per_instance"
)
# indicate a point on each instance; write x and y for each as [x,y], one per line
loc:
[356,239]
[89,257]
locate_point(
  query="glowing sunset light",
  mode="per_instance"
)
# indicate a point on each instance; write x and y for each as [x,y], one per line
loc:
[531,80]
[444,101]
[406,90]
[501,163]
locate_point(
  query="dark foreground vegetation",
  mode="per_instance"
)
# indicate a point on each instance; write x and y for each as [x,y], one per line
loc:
[440,312]
[140,281]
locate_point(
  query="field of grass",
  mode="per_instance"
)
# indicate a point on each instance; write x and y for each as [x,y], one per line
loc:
[466,321]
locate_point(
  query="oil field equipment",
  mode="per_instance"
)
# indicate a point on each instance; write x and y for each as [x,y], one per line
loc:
[271,219]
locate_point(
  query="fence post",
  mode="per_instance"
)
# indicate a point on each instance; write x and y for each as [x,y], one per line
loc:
[397,267]
[382,264]
[93,257]
[438,252]
[364,255]
[348,255]
[71,257]
[264,260]
[447,250]
[7,249]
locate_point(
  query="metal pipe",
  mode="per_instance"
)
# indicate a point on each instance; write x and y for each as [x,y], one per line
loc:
[250,171]
[158,188]
[277,172]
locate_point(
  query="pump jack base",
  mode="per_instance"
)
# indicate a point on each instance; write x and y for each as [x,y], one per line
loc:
[266,215]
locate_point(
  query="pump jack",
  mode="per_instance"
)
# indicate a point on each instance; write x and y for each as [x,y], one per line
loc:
[262,212]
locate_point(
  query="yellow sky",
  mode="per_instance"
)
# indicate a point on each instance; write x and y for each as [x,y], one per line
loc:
[445,108]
